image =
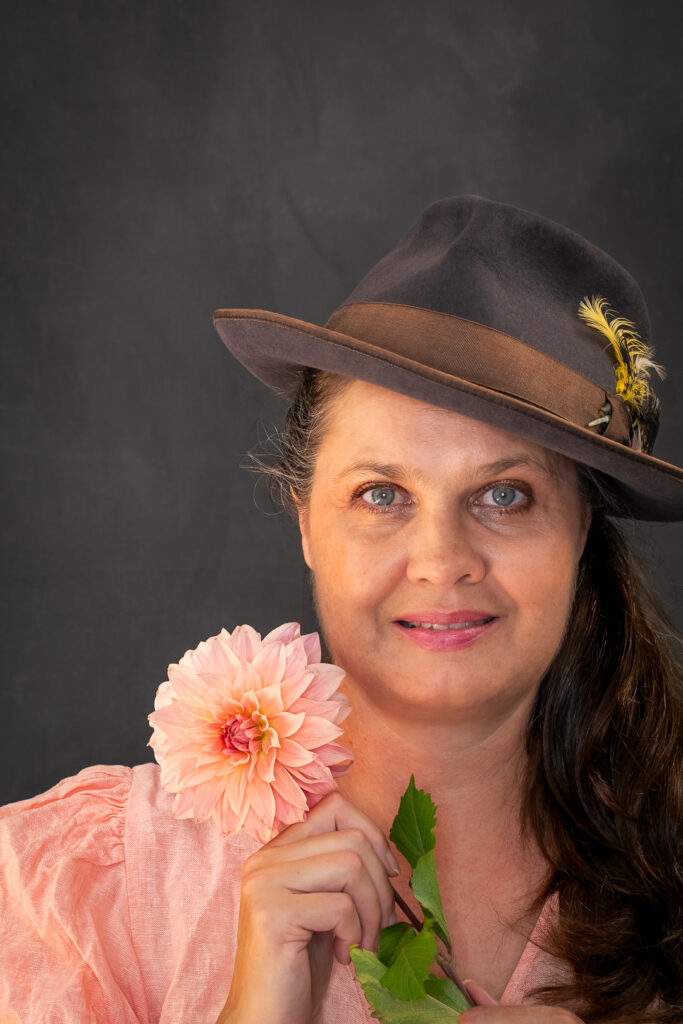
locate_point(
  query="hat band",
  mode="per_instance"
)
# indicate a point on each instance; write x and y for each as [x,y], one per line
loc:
[485,356]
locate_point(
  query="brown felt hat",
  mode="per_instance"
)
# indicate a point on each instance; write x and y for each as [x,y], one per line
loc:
[504,316]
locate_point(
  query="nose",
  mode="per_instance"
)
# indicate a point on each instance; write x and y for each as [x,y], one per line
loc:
[443,550]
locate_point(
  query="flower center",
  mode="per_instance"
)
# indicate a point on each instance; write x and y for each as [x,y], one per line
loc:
[244,733]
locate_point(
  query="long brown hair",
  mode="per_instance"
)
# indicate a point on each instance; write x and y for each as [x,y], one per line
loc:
[604,783]
[604,793]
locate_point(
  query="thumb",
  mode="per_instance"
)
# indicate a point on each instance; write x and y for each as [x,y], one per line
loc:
[478,995]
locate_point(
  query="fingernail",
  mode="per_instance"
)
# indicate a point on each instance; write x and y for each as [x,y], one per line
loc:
[391,861]
[478,994]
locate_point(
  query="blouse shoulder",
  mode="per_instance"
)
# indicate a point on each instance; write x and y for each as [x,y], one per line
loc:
[64,905]
[83,816]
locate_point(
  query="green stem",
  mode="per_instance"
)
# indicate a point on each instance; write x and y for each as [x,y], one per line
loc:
[412,917]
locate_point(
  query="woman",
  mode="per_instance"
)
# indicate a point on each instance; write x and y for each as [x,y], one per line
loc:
[457,444]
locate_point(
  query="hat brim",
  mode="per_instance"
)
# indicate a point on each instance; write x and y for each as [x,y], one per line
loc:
[275,348]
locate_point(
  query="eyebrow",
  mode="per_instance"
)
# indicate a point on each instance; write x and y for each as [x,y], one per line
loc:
[488,469]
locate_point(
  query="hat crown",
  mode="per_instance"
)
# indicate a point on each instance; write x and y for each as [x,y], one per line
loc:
[510,269]
[502,315]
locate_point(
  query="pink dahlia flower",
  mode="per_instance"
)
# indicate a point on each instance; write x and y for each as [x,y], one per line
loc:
[244,730]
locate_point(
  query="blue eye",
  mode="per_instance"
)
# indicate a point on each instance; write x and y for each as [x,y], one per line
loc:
[379,496]
[503,496]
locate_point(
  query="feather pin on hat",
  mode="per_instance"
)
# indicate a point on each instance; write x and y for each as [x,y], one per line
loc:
[633,364]
[499,314]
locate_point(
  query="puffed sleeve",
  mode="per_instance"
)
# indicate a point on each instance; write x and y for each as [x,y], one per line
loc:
[66,949]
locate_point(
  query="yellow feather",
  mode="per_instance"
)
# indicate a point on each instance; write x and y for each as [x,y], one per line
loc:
[633,356]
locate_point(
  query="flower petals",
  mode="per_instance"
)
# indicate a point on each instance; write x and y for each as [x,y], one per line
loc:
[270,663]
[286,724]
[244,730]
[284,634]
[293,754]
[245,642]
[315,731]
[311,642]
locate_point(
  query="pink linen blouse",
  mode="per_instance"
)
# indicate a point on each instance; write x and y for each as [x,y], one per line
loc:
[114,912]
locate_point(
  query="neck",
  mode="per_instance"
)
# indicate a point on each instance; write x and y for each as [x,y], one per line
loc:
[473,767]
[489,874]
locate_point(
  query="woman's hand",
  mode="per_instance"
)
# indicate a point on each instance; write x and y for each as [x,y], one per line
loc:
[489,1011]
[308,894]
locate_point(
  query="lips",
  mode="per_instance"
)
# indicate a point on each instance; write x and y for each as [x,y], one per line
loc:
[451,625]
[446,631]
[457,619]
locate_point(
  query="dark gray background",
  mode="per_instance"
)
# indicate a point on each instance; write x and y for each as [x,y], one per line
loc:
[164,158]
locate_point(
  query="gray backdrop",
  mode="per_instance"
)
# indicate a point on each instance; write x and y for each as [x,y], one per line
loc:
[165,158]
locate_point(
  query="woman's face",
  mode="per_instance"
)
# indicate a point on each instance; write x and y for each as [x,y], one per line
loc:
[421,515]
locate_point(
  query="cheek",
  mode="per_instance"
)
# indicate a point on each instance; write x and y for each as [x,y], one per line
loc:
[336,546]
[354,568]
[542,586]
[354,575]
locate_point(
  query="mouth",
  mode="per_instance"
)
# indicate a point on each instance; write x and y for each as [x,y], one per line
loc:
[445,626]
[441,632]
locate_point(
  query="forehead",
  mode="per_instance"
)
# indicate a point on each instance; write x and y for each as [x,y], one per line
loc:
[367,425]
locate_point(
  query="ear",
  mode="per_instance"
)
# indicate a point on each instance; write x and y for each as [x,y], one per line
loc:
[304,528]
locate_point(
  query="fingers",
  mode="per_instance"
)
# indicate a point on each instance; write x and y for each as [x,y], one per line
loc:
[314,890]
[361,858]
[333,869]
[478,995]
[350,840]
[334,813]
[347,872]
[333,912]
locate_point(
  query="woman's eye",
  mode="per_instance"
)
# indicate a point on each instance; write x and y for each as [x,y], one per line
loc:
[503,496]
[382,496]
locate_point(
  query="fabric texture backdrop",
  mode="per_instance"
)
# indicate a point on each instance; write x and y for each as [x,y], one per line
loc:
[166,158]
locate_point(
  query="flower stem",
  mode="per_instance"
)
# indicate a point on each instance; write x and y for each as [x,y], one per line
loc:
[412,917]
[445,964]
[449,970]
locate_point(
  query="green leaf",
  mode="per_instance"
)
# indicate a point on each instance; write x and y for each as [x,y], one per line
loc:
[391,939]
[366,963]
[385,1007]
[405,978]
[426,889]
[413,829]
[446,991]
